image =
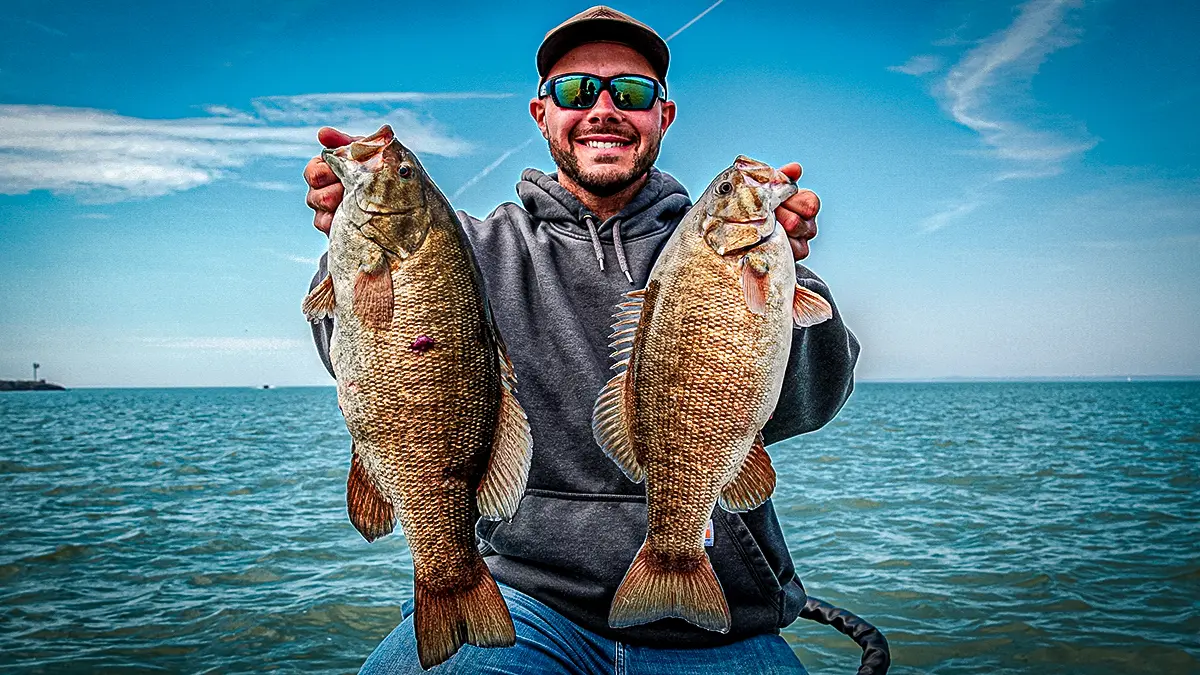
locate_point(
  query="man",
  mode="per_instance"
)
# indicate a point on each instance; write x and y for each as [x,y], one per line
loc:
[549,272]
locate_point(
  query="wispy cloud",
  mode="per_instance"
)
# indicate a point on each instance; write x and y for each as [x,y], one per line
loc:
[949,214]
[299,259]
[274,185]
[921,64]
[694,19]
[226,344]
[984,88]
[114,157]
[49,30]
[987,91]
[492,167]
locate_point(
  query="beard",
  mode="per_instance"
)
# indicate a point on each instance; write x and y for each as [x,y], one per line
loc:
[602,182]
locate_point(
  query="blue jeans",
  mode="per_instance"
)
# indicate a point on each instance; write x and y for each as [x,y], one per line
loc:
[547,642]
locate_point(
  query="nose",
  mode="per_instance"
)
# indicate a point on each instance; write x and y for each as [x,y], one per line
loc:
[605,109]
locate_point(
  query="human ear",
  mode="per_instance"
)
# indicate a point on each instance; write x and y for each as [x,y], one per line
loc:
[667,116]
[537,110]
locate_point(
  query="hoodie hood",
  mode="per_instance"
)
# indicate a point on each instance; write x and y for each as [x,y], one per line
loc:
[660,204]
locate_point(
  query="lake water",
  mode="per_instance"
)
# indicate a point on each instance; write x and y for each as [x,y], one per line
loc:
[985,527]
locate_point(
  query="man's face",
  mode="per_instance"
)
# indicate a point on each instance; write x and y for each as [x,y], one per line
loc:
[576,137]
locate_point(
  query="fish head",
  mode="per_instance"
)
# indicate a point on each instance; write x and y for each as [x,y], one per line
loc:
[740,205]
[386,182]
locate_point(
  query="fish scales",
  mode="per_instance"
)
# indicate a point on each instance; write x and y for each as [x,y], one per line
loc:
[426,389]
[702,378]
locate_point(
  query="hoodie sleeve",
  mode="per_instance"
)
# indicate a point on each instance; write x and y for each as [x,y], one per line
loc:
[322,330]
[820,371]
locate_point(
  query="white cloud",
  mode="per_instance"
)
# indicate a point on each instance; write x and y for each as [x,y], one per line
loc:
[227,344]
[105,156]
[922,64]
[949,214]
[982,90]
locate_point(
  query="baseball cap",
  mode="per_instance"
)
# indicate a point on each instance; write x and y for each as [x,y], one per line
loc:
[603,24]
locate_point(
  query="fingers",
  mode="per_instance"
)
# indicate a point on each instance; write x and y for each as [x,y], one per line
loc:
[323,220]
[326,198]
[318,174]
[799,248]
[792,170]
[332,138]
[804,203]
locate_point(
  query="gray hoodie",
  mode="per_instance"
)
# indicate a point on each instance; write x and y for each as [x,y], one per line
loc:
[553,273]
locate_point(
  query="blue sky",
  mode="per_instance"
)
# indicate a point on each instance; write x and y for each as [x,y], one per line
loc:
[1008,189]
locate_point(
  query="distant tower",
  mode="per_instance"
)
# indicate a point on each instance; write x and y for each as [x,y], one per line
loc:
[35,367]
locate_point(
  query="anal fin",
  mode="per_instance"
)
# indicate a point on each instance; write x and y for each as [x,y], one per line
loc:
[504,481]
[808,308]
[319,304]
[371,513]
[754,482]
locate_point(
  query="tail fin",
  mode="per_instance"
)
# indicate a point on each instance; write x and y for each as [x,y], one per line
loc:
[653,590]
[477,616]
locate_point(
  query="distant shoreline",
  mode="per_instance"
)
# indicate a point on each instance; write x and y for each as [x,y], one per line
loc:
[30,385]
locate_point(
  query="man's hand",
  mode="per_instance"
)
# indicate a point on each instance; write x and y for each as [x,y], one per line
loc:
[324,189]
[798,214]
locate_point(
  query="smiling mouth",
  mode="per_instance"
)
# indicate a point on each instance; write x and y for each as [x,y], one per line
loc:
[604,145]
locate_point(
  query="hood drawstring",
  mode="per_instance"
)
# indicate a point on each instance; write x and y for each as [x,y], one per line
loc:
[621,251]
[591,225]
[590,221]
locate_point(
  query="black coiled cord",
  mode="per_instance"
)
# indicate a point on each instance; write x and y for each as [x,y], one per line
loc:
[876,656]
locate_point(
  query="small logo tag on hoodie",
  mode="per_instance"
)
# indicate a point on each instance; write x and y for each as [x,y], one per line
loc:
[708,533]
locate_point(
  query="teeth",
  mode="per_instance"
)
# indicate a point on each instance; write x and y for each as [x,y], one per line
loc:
[604,144]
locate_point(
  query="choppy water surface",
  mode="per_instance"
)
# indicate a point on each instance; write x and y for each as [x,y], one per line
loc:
[987,528]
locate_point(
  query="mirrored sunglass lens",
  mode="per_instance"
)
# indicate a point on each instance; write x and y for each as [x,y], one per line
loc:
[632,94]
[576,92]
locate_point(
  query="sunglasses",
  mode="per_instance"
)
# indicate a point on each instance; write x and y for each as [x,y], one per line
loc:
[580,91]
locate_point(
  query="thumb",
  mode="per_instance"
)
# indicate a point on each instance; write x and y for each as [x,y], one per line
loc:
[332,138]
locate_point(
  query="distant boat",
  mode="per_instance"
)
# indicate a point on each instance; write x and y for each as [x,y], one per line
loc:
[30,385]
[266,386]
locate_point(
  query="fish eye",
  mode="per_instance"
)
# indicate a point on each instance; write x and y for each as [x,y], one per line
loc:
[724,188]
[404,171]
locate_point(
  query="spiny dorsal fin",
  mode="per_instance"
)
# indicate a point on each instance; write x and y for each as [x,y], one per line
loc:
[318,304]
[610,421]
[808,308]
[753,483]
[504,481]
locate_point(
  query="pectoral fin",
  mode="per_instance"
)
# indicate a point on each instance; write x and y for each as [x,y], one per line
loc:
[503,484]
[374,299]
[753,483]
[808,308]
[756,283]
[318,304]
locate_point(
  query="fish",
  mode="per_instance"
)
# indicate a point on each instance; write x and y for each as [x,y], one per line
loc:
[702,353]
[426,387]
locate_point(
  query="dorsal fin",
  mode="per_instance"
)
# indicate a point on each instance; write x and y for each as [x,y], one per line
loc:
[611,417]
